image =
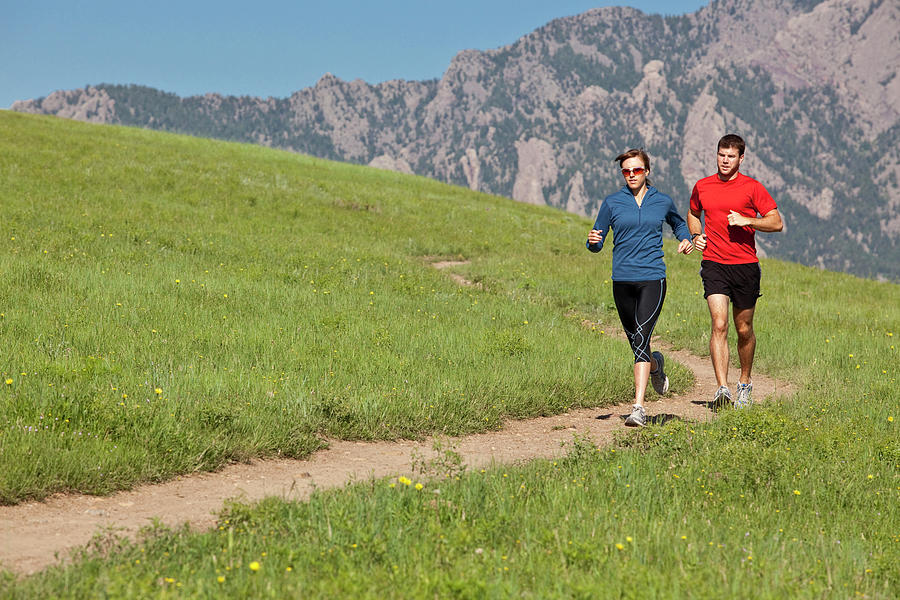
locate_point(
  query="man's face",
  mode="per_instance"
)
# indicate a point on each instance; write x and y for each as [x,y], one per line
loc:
[728,161]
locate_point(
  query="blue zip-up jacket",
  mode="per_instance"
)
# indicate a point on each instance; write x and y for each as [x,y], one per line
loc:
[637,243]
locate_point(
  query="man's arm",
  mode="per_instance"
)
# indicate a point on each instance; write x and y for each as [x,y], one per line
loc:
[693,222]
[696,228]
[768,223]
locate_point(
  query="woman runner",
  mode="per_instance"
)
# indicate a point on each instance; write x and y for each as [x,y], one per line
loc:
[636,214]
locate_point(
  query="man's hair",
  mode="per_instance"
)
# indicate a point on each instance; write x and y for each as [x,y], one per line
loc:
[631,154]
[732,141]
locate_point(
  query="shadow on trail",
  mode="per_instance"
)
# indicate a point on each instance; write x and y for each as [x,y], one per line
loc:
[661,419]
[712,405]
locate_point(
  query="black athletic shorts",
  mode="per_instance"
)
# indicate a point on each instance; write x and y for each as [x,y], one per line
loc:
[738,282]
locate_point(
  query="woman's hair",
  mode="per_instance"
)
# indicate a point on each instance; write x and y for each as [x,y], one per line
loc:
[635,152]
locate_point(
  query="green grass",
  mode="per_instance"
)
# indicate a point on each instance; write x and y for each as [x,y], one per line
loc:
[128,363]
[170,304]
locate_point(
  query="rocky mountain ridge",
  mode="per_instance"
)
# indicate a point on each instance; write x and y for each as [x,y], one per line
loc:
[810,84]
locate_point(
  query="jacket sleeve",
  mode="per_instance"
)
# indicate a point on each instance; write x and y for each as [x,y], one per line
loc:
[677,223]
[601,223]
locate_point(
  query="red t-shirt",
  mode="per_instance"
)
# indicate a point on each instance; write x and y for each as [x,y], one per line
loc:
[726,243]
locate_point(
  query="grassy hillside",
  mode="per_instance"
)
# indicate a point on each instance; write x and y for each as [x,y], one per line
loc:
[170,304]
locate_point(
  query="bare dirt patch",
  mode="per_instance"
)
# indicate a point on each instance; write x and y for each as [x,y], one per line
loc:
[35,535]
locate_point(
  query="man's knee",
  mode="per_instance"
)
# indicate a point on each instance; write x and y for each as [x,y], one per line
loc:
[719,326]
[745,332]
[743,323]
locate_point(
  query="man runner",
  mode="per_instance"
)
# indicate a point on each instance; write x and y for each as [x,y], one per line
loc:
[730,268]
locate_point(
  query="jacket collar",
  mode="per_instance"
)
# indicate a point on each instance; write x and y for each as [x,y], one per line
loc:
[627,193]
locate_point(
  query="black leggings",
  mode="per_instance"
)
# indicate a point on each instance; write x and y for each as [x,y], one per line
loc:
[639,304]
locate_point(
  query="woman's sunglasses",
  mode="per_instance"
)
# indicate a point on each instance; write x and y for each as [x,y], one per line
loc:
[635,171]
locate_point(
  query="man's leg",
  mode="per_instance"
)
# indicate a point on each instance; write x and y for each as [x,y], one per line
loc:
[746,344]
[718,339]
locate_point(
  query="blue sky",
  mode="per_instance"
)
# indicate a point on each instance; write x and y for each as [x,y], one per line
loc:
[262,48]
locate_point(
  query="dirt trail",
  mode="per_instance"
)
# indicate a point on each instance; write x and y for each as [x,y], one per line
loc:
[38,534]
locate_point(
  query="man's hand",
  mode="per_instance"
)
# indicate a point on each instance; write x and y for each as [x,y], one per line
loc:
[685,247]
[595,236]
[737,219]
[700,242]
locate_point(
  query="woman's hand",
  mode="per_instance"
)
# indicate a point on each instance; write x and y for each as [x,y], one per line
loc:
[685,247]
[595,236]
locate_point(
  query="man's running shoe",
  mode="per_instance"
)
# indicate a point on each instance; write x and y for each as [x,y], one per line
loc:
[637,418]
[744,398]
[722,397]
[658,378]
